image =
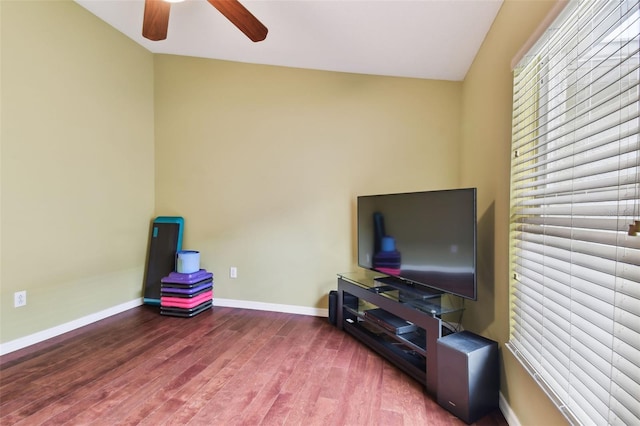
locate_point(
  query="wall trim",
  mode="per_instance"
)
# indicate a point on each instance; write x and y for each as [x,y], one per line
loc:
[273,307]
[43,335]
[507,412]
[32,339]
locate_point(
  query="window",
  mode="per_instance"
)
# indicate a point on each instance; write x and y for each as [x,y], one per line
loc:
[575,207]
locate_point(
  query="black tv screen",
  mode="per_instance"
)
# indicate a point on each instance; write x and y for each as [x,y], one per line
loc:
[427,238]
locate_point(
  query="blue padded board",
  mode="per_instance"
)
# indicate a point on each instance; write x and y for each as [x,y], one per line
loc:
[165,240]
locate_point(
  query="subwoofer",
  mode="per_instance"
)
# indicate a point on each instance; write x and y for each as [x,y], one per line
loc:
[468,375]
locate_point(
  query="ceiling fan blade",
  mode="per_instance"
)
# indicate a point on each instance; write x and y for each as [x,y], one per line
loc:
[156,19]
[241,18]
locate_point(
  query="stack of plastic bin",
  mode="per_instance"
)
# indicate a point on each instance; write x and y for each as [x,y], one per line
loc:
[186,295]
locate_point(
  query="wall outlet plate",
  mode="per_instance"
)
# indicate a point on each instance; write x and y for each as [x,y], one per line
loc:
[19,298]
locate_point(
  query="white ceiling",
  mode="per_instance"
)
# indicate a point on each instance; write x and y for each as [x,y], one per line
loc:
[431,39]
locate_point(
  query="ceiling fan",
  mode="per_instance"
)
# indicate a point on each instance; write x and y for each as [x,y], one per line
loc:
[156,19]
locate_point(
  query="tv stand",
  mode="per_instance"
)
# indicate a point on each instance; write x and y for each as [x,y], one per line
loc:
[399,320]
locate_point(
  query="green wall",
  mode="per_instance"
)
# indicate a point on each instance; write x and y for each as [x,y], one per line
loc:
[77,165]
[265,164]
[485,163]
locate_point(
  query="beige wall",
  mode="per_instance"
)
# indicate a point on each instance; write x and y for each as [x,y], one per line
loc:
[485,162]
[264,163]
[77,165]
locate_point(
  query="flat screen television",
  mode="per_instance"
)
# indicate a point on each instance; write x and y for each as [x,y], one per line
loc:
[424,238]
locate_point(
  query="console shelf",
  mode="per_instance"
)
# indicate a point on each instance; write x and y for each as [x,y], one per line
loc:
[408,361]
[411,321]
[414,340]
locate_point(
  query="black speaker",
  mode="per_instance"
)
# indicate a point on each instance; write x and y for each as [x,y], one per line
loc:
[468,375]
[333,305]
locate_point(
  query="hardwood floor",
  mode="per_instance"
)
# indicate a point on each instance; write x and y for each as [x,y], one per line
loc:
[223,367]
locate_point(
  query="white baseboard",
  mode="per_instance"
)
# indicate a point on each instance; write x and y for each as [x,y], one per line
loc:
[43,335]
[272,307]
[507,412]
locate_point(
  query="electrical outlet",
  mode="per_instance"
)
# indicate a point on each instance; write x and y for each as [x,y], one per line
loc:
[19,298]
[233,272]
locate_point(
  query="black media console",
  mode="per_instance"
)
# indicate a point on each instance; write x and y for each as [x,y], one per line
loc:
[401,322]
[404,323]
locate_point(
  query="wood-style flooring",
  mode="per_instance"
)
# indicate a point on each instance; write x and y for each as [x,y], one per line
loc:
[223,367]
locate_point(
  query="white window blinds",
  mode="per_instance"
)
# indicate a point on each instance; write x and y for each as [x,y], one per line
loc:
[575,191]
